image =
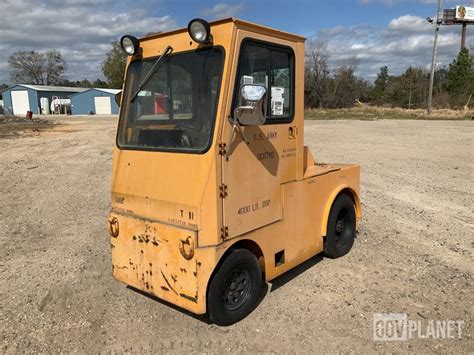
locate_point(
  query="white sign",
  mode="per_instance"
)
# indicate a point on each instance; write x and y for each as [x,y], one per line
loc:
[465,13]
[277,100]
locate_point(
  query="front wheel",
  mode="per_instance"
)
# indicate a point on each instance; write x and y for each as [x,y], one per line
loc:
[341,229]
[234,290]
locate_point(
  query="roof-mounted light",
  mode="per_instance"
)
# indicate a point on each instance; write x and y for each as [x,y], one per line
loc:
[130,44]
[200,31]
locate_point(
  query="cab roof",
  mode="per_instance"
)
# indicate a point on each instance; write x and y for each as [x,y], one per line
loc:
[249,26]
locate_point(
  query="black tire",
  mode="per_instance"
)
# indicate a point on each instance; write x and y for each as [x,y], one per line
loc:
[341,229]
[234,290]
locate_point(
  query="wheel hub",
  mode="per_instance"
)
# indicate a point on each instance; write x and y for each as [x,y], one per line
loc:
[236,288]
[340,225]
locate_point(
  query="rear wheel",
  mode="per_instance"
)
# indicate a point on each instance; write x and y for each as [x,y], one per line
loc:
[341,228]
[234,289]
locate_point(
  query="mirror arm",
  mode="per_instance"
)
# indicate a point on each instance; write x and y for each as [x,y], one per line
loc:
[235,127]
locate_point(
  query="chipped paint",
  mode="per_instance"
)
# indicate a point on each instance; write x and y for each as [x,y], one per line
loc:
[155,257]
[189,298]
[167,282]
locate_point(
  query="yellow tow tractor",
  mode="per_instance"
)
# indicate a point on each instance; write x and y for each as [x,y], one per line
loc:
[213,190]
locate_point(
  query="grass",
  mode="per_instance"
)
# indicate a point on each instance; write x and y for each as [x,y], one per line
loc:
[11,126]
[380,113]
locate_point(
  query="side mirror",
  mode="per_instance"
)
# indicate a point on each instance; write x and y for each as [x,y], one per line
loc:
[118,98]
[253,112]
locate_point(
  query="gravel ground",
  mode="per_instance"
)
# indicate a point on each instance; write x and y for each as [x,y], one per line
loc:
[413,254]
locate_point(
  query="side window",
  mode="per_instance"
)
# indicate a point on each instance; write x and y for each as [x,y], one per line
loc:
[270,66]
[280,84]
[182,91]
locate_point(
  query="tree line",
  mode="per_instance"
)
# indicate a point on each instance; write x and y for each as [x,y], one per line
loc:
[49,68]
[325,87]
[341,87]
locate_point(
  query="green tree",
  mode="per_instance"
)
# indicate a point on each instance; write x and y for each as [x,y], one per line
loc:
[460,77]
[100,84]
[84,83]
[113,66]
[440,79]
[409,90]
[380,84]
[32,67]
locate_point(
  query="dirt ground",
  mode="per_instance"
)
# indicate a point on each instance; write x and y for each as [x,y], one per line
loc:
[413,254]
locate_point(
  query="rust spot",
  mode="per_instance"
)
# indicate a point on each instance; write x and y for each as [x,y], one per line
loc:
[167,282]
[174,277]
[165,288]
[146,285]
[183,270]
[150,264]
[112,246]
[134,238]
[198,265]
[154,242]
[189,298]
[151,273]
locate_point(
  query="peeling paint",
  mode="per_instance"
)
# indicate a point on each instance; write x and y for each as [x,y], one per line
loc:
[148,250]
[189,298]
[198,265]
[167,282]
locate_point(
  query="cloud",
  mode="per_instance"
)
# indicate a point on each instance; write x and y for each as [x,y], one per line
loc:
[81,30]
[393,2]
[223,10]
[405,41]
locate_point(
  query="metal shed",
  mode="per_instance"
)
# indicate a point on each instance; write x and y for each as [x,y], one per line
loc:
[20,98]
[95,101]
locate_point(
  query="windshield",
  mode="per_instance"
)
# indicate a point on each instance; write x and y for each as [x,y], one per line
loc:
[175,110]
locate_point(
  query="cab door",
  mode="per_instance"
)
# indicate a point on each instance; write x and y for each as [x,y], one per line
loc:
[252,173]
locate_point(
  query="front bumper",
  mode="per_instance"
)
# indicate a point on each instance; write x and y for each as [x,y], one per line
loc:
[159,259]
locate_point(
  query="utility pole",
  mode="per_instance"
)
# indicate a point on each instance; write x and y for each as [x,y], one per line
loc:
[463,35]
[433,60]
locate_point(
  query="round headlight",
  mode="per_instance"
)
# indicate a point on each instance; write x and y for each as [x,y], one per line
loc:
[129,44]
[199,30]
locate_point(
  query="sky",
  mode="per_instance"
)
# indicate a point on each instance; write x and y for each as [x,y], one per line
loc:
[376,32]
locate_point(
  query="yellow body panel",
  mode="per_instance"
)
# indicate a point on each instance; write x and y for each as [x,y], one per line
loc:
[175,215]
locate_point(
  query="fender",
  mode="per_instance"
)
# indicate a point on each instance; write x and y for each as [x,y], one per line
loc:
[340,189]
